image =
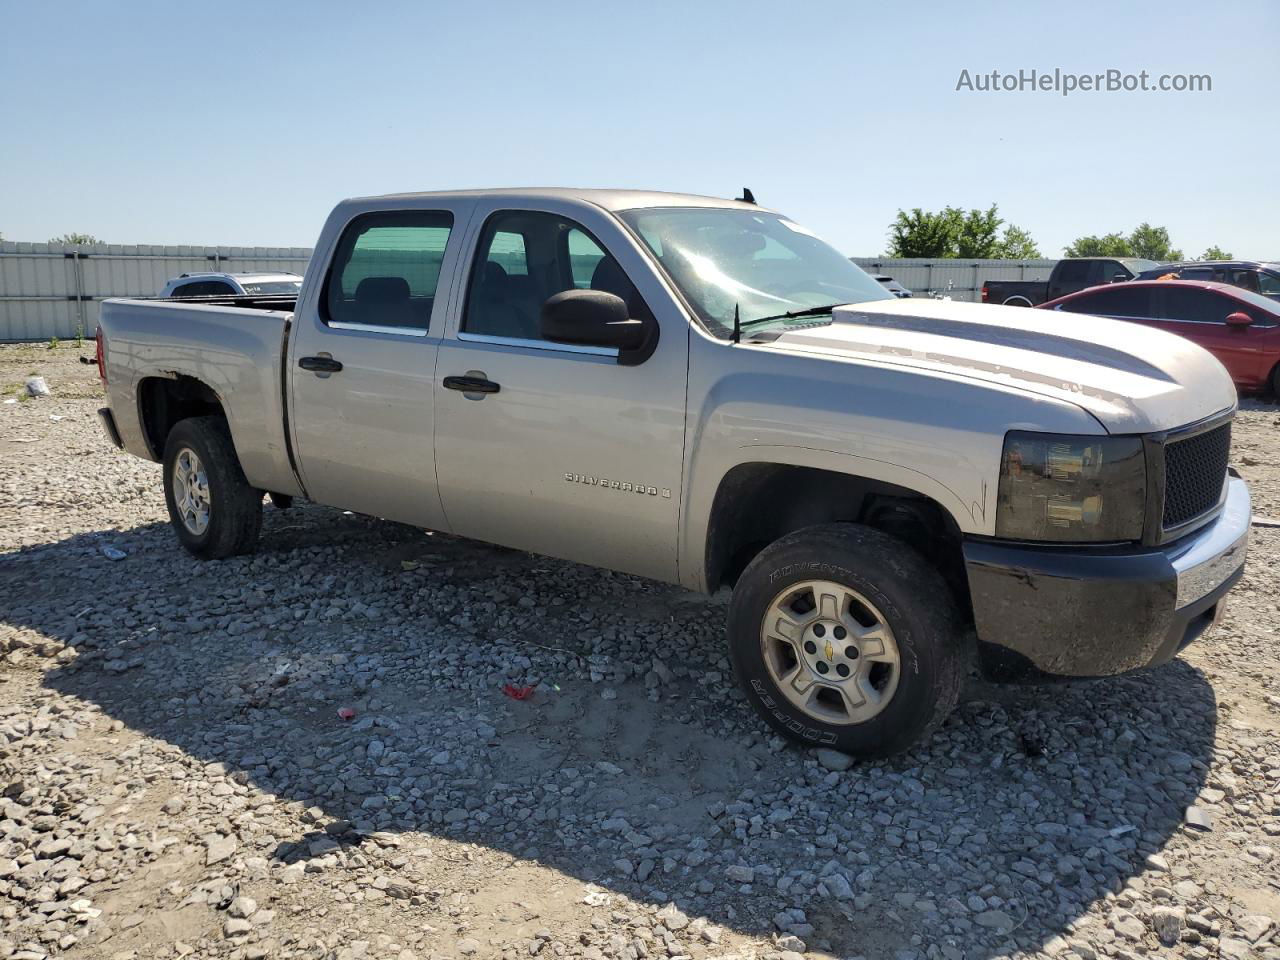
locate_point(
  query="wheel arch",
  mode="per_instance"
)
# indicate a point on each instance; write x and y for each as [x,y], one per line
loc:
[759,501]
[163,401]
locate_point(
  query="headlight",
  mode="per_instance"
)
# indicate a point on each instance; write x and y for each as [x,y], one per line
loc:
[1071,489]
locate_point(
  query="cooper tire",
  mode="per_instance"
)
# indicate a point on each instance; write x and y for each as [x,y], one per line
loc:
[213,509]
[873,572]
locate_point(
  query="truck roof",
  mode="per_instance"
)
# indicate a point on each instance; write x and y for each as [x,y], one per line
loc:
[239,276]
[608,199]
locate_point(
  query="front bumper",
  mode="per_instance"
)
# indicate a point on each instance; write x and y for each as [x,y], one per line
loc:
[1093,612]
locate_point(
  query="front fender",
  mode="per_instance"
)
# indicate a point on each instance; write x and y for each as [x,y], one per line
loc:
[939,435]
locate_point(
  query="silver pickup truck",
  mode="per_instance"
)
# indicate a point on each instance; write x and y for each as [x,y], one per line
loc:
[703,392]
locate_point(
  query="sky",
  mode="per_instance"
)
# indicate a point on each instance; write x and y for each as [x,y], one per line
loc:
[243,123]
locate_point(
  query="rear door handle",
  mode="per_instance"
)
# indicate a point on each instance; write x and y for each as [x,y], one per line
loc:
[320,364]
[471,384]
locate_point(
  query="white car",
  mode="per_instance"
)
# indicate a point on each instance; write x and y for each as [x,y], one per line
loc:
[232,285]
[701,391]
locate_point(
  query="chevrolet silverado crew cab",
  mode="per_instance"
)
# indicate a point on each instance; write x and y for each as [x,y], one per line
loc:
[701,391]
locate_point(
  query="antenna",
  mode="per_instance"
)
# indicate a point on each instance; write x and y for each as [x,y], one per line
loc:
[747,196]
[737,324]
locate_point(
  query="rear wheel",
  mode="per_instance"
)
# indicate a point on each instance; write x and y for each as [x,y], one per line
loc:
[212,508]
[844,637]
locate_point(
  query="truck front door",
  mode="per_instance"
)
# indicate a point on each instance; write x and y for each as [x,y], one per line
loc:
[568,453]
[362,363]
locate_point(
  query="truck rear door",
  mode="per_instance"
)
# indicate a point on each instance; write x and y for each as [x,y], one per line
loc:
[362,362]
[569,453]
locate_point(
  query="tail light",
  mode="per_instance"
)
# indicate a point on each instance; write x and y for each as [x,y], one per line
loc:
[100,356]
[984,293]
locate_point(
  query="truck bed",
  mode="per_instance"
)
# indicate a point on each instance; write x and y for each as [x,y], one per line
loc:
[236,345]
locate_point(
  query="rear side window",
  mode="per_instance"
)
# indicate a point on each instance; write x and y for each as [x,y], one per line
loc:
[386,269]
[1197,273]
[1119,300]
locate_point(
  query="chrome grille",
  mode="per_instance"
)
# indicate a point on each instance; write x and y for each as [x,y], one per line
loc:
[1195,470]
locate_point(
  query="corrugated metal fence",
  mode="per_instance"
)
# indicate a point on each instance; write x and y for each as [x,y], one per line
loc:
[53,289]
[959,279]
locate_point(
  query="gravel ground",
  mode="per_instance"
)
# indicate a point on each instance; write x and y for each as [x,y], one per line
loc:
[176,779]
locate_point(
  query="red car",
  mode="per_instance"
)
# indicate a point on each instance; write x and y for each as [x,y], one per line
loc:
[1239,327]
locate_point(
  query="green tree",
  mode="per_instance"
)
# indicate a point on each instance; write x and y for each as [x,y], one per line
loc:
[1146,241]
[1111,245]
[978,233]
[952,232]
[1152,243]
[1017,244]
[1216,253]
[921,234]
[74,238]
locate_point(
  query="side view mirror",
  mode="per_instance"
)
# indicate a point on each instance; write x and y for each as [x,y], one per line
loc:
[1239,320]
[1119,277]
[592,318]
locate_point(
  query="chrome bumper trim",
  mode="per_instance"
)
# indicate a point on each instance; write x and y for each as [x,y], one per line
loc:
[1217,551]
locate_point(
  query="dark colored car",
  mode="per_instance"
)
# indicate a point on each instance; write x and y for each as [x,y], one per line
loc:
[1068,276]
[1256,275]
[892,285]
[1239,327]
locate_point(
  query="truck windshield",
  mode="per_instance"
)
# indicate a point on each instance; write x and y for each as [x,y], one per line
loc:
[259,288]
[759,263]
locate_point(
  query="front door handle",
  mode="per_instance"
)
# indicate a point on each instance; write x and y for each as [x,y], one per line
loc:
[320,364]
[471,384]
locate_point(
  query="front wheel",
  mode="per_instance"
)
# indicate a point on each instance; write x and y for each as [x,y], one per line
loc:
[844,637]
[214,511]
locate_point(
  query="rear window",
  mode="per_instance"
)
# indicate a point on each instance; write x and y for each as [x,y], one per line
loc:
[203,288]
[386,269]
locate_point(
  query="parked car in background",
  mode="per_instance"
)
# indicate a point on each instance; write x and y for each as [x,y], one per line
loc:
[232,285]
[1257,275]
[892,285]
[1067,276]
[1240,328]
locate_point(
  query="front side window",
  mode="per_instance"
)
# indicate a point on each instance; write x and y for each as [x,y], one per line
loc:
[1109,270]
[1268,284]
[757,263]
[386,269]
[523,258]
[1073,271]
[1196,305]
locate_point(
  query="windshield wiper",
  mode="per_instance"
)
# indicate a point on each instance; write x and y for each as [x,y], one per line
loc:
[739,325]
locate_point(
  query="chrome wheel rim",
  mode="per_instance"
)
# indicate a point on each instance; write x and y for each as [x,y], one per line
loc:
[191,491]
[830,652]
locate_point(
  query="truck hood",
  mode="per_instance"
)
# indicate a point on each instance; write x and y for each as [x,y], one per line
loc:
[1132,378]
